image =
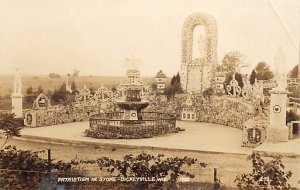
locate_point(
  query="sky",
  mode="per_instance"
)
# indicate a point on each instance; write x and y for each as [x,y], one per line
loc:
[96,36]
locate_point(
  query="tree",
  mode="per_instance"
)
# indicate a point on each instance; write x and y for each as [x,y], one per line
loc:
[233,62]
[113,89]
[208,93]
[29,90]
[53,75]
[9,126]
[294,73]
[39,90]
[252,77]
[174,87]
[60,95]
[75,73]
[265,175]
[263,71]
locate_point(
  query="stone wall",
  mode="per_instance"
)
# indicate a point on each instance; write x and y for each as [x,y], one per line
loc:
[59,114]
[225,110]
[232,112]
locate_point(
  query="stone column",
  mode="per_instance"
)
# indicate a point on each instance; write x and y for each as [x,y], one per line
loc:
[17,105]
[17,97]
[278,131]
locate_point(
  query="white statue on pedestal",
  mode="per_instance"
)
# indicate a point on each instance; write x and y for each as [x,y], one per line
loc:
[68,86]
[280,70]
[278,131]
[17,84]
[17,98]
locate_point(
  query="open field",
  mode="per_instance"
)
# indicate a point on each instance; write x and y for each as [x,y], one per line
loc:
[6,82]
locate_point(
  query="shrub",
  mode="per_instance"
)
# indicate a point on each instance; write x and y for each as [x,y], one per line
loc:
[25,169]
[265,175]
[165,171]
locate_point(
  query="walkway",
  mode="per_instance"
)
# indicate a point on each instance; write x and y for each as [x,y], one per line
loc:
[197,136]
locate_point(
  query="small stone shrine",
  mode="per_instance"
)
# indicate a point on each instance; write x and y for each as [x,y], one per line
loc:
[188,112]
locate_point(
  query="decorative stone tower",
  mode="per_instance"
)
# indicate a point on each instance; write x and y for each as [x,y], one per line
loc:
[198,74]
[278,131]
[17,97]
[160,79]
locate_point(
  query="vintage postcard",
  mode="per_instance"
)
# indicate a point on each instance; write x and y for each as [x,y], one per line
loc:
[140,94]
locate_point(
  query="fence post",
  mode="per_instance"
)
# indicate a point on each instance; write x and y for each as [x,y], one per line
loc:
[216,180]
[49,160]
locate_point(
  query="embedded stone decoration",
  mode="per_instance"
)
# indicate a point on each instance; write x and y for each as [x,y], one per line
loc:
[188,111]
[253,93]
[234,87]
[41,102]
[198,74]
[56,115]
[83,95]
[254,131]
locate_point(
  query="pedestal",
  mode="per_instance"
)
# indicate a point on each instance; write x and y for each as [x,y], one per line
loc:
[278,131]
[278,134]
[17,105]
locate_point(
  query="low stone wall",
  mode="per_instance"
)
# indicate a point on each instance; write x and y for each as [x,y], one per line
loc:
[111,126]
[231,112]
[59,115]
[224,110]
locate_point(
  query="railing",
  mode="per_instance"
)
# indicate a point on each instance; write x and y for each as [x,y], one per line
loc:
[148,117]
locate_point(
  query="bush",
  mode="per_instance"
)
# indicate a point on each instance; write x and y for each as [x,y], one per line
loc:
[147,166]
[9,126]
[26,169]
[265,175]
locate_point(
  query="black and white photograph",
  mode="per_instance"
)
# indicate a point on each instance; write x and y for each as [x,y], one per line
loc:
[149,94]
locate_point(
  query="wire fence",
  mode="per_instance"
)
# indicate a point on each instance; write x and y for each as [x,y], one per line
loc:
[202,176]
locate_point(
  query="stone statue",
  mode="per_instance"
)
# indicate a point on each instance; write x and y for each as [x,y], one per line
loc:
[281,81]
[280,69]
[17,84]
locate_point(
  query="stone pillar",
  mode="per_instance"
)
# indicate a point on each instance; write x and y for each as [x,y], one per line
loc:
[17,97]
[17,105]
[278,131]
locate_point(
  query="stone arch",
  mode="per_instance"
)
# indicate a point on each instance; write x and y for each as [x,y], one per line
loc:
[210,26]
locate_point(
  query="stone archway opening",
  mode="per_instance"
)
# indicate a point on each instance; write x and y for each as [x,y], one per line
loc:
[198,75]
